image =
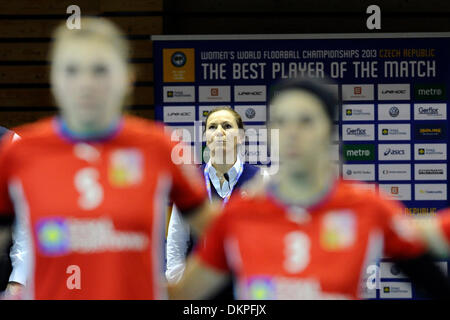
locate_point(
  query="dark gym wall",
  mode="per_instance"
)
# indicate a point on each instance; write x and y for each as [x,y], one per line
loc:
[26,25]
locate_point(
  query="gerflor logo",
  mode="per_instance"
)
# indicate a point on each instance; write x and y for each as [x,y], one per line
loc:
[356,132]
[429,111]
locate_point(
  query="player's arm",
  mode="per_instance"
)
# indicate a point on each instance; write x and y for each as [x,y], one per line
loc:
[199,281]
[410,254]
[435,231]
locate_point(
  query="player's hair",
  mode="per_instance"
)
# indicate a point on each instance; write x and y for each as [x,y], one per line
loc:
[318,88]
[236,116]
[99,28]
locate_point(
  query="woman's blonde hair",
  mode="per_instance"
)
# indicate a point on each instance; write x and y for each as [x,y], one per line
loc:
[99,28]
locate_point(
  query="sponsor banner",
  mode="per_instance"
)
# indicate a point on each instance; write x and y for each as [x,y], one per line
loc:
[429,92]
[358,112]
[181,133]
[355,132]
[394,152]
[435,151]
[394,132]
[179,94]
[358,152]
[203,111]
[430,111]
[430,132]
[394,92]
[428,191]
[179,65]
[179,114]
[214,93]
[394,111]
[250,93]
[252,113]
[357,92]
[396,290]
[394,172]
[400,192]
[363,172]
[430,171]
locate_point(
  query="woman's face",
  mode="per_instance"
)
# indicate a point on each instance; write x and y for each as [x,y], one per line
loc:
[89,81]
[222,136]
[304,129]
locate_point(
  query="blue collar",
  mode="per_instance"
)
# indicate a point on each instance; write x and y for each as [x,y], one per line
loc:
[69,135]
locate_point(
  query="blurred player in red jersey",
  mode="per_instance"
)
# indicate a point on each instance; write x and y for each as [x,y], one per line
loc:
[435,231]
[91,185]
[306,234]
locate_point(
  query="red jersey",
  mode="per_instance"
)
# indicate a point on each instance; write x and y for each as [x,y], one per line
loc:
[277,252]
[444,223]
[95,210]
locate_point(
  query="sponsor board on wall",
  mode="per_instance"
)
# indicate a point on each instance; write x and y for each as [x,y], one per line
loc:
[394,152]
[396,290]
[430,191]
[358,152]
[430,111]
[357,92]
[394,112]
[363,172]
[429,92]
[203,111]
[394,92]
[250,93]
[430,171]
[430,132]
[253,113]
[394,132]
[358,112]
[358,132]
[398,191]
[432,151]
[214,94]
[179,114]
[394,172]
[179,94]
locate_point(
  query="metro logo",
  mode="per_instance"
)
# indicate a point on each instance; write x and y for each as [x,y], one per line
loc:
[430,92]
[359,152]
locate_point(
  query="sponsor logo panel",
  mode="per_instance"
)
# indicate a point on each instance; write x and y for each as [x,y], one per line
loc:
[214,93]
[394,112]
[203,111]
[430,171]
[252,113]
[430,132]
[179,94]
[396,290]
[400,192]
[394,132]
[428,191]
[358,152]
[179,114]
[394,152]
[358,112]
[394,172]
[430,92]
[430,111]
[436,151]
[358,132]
[394,92]
[357,92]
[363,172]
[250,93]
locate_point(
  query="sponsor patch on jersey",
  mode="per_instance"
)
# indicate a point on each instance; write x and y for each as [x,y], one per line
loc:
[338,230]
[125,167]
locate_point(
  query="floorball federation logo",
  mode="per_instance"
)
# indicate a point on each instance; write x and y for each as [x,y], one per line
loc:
[178,59]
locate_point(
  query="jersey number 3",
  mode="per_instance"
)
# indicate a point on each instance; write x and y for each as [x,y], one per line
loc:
[90,190]
[296,251]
